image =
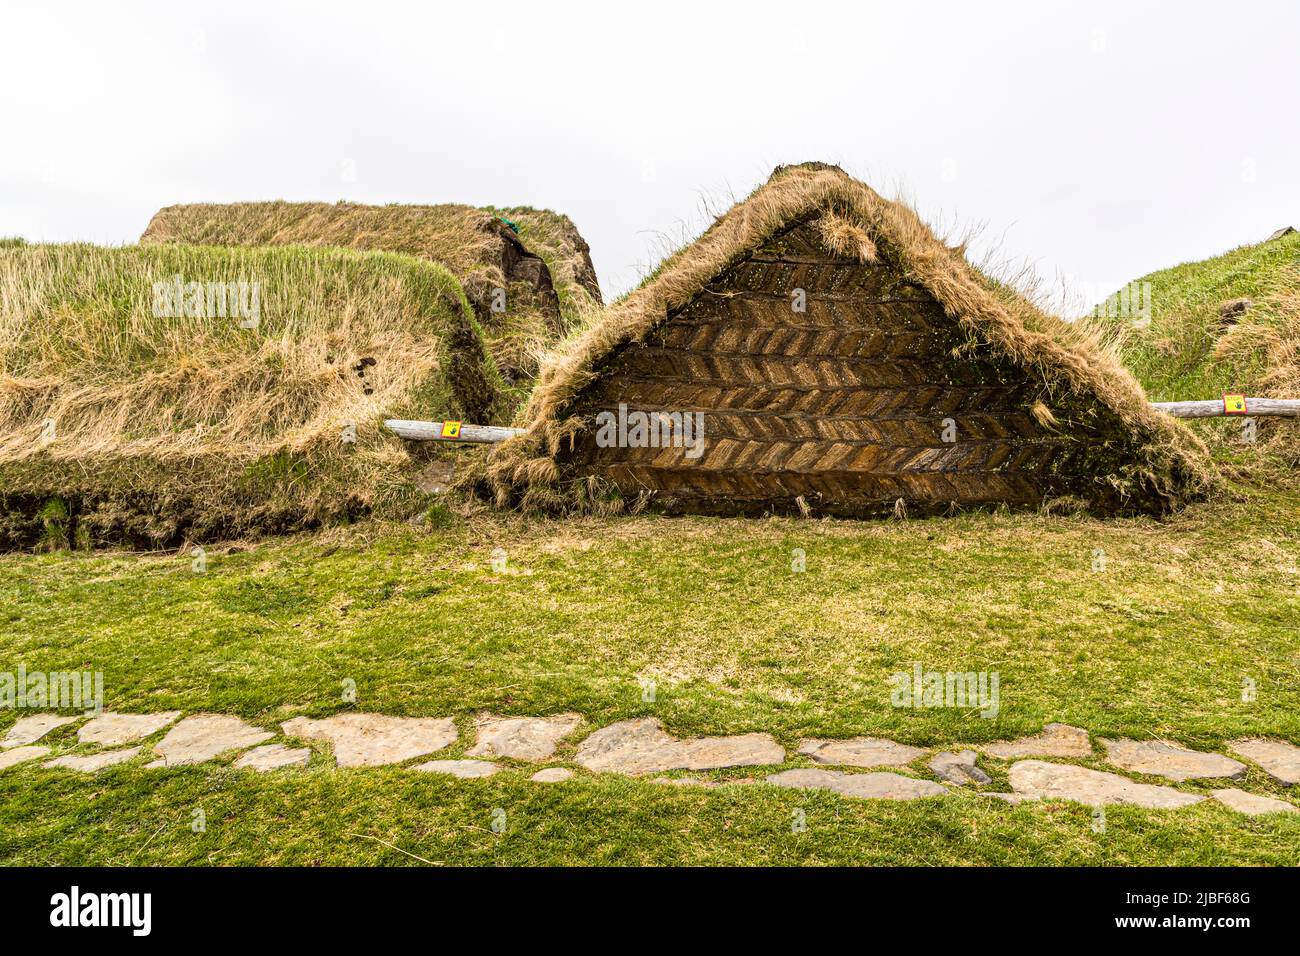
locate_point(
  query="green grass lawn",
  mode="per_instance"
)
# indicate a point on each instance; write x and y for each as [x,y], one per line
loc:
[132,817]
[1128,628]
[1179,355]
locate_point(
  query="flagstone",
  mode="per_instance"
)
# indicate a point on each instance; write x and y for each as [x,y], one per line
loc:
[1170,760]
[684,781]
[272,757]
[523,738]
[631,747]
[201,737]
[743,750]
[1252,804]
[860,752]
[870,786]
[17,755]
[28,730]
[552,775]
[959,768]
[1056,740]
[372,740]
[1039,780]
[1280,760]
[641,746]
[459,768]
[89,763]
[1012,798]
[110,730]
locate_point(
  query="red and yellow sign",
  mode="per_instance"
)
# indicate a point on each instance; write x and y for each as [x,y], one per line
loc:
[450,430]
[1234,404]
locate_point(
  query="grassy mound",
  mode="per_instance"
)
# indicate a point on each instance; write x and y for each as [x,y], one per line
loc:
[1226,324]
[252,400]
[537,258]
[555,238]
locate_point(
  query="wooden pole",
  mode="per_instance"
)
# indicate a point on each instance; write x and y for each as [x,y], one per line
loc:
[489,434]
[450,431]
[1286,407]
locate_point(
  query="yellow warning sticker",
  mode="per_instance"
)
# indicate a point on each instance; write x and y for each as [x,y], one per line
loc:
[451,429]
[1234,404]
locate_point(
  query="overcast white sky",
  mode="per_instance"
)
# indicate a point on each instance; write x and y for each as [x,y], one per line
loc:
[1097,141]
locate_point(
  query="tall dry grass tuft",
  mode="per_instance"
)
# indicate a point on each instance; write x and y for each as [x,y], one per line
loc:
[545,269]
[1267,339]
[96,379]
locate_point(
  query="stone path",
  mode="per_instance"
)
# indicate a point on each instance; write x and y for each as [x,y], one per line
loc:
[372,740]
[641,746]
[1056,740]
[1171,761]
[89,763]
[1039,780]
[1280,761]
[523,738]
[552,775]
[959,768]
[109,730]
[879,785]
[28,730]
[465,769]
[273,757]
[1252,804]
[635,747]
[204,736]
[860,752]
[12,758]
